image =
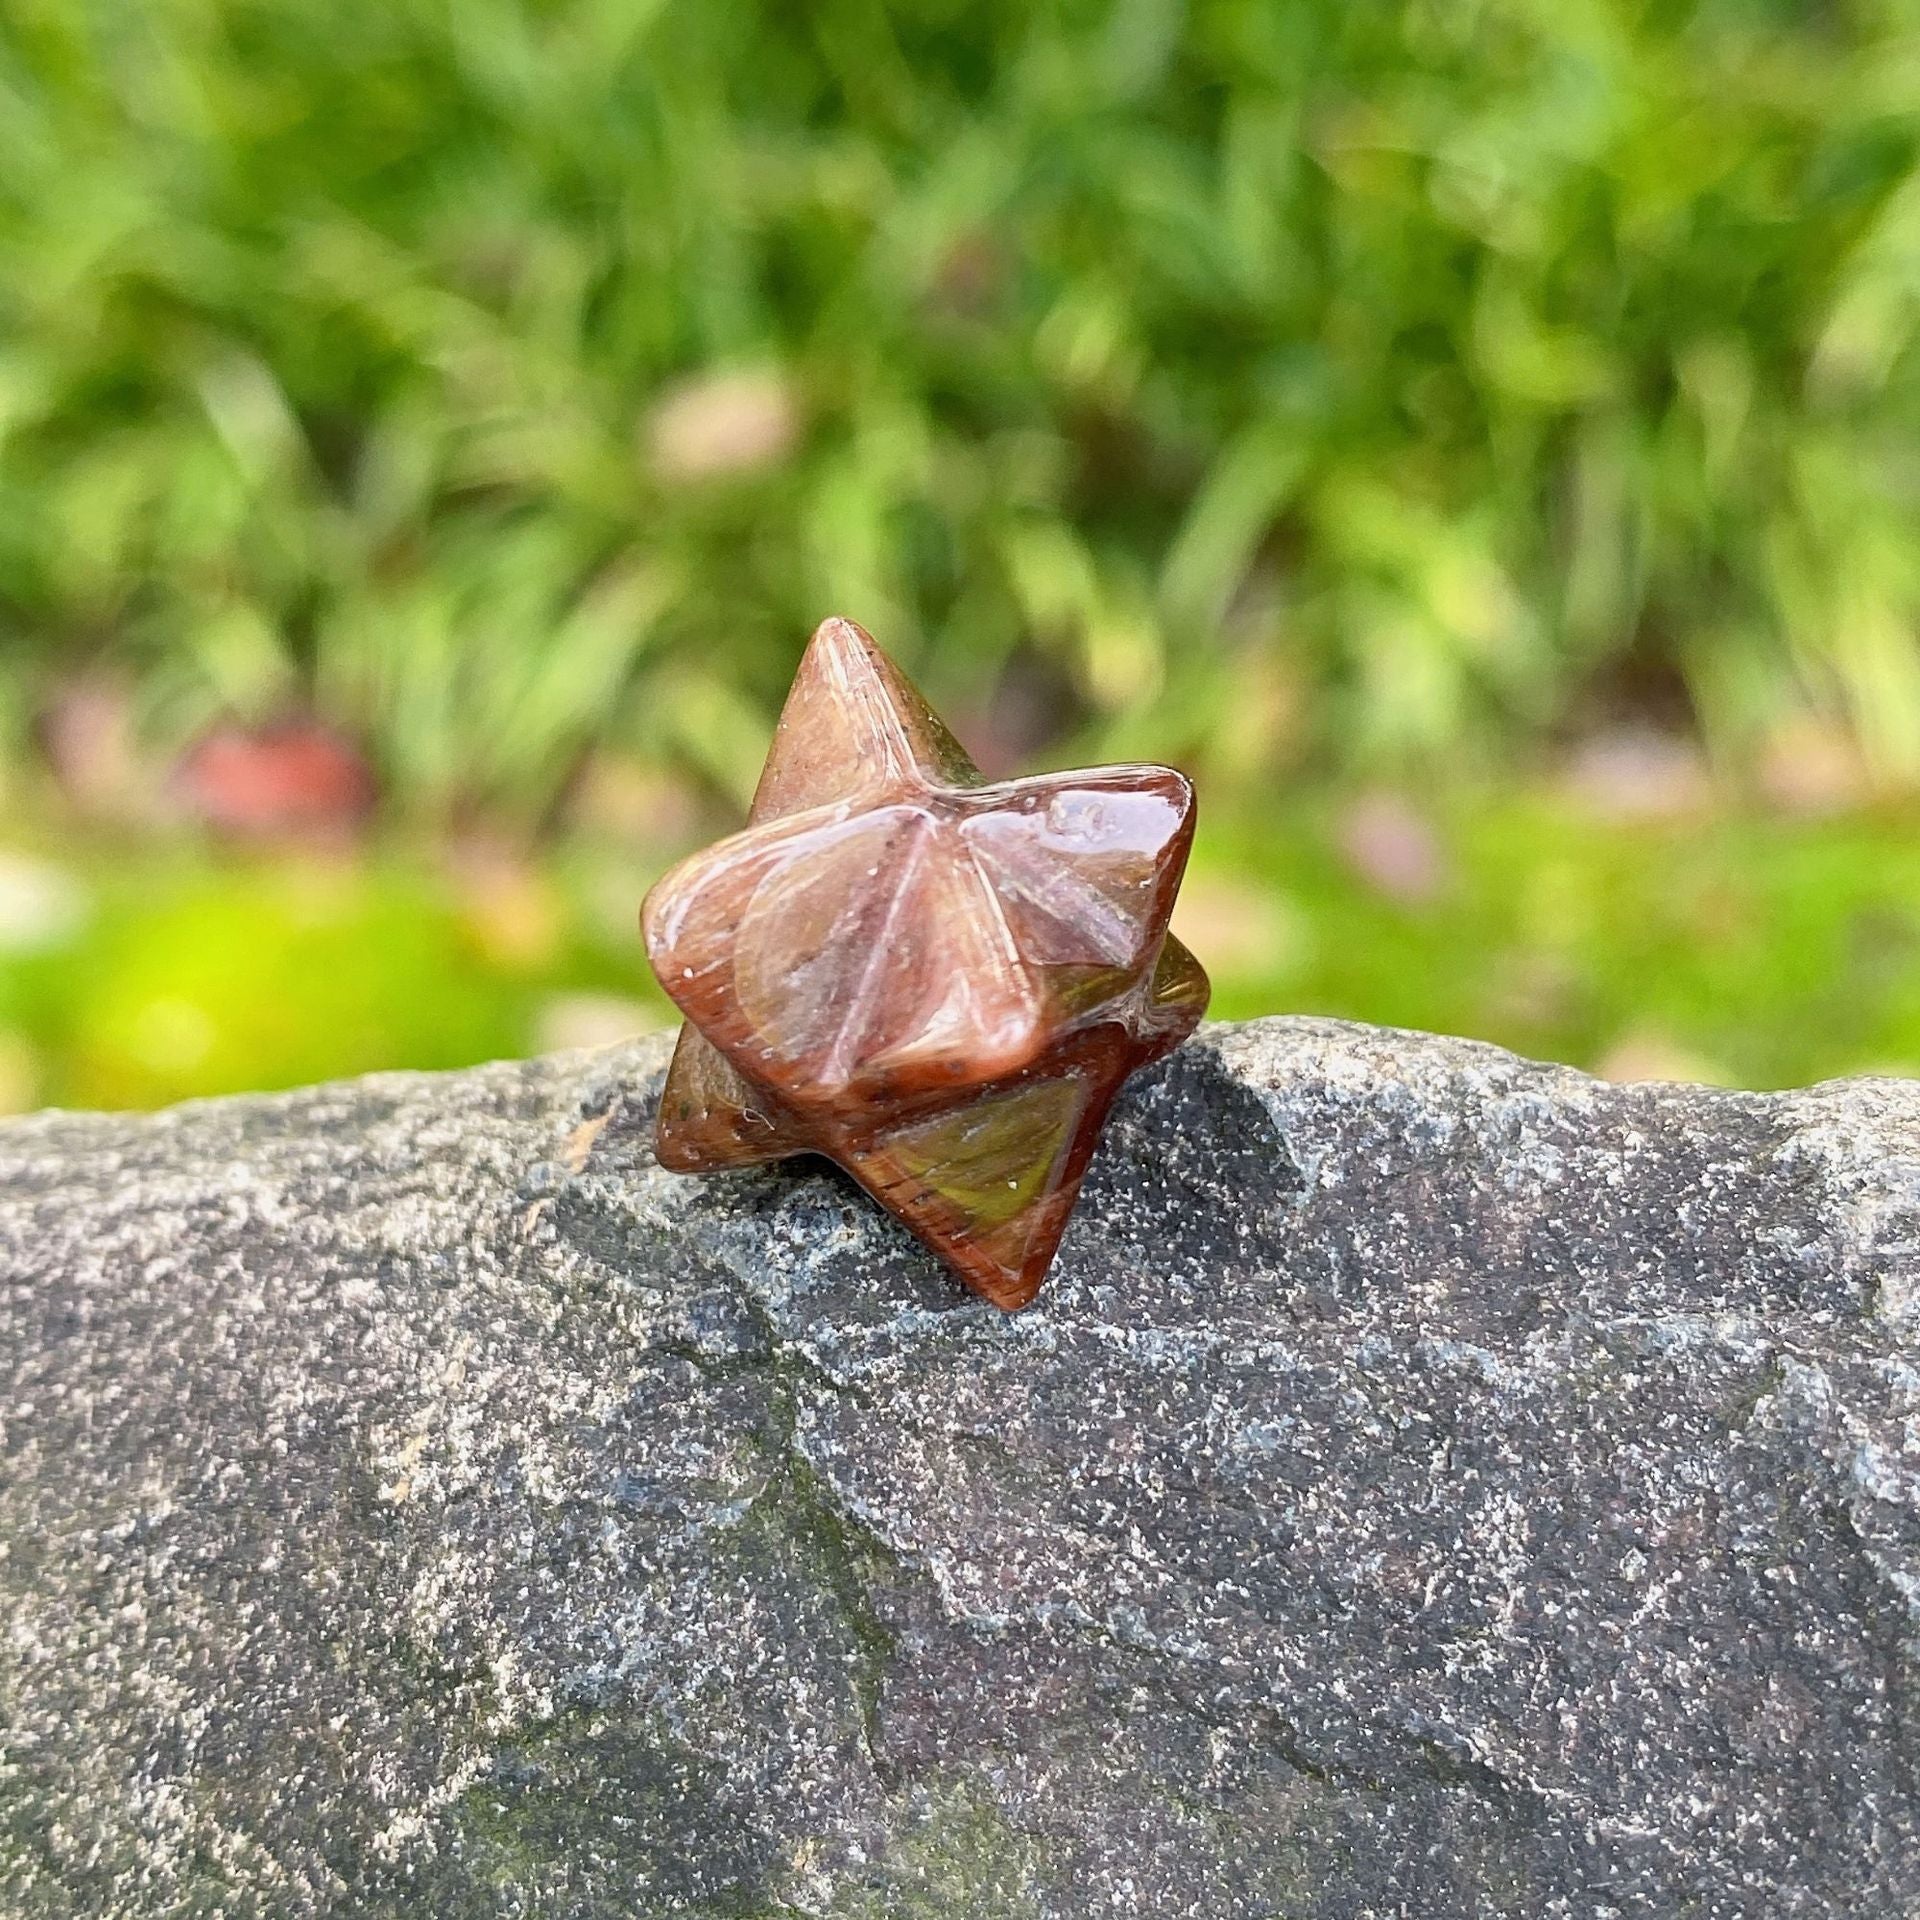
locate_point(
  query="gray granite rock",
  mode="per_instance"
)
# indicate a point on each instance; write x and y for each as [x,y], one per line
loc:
[1431,1485]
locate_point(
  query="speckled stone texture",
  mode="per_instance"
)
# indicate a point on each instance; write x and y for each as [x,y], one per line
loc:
[1431,1485]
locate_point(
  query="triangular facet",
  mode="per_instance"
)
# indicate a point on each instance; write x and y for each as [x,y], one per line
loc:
[798,997]
[710,1118]
[853,723]
[1085,866]
[1177,998]
[764,938]
[949,1002]
[989,1185]
[836,953]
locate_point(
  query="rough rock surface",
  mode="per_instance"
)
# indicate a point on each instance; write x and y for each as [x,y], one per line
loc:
[1431,1485]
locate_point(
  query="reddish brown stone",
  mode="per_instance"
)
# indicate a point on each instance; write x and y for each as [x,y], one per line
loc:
[937,982]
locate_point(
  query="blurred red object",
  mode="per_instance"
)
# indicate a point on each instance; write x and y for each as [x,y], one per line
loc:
[291,778]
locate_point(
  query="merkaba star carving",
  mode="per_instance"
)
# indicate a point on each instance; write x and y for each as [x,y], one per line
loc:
[937,981]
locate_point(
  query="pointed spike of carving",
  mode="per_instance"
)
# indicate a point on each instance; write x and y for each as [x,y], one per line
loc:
[985,1184]
[852,723]
[1087,865]
[710,1118]
[1176,997]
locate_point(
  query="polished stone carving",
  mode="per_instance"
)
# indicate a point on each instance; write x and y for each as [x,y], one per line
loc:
[936,981]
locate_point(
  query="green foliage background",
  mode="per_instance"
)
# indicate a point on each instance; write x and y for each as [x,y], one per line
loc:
[1309,393]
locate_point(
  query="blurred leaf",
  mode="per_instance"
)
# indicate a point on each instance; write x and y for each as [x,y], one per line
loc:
[1231,514]
[716,730]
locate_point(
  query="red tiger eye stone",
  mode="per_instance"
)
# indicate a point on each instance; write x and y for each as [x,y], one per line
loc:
[937,981]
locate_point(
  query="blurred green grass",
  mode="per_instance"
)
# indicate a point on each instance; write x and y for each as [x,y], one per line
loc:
[1756,950]
[1448,369]
[1389,396]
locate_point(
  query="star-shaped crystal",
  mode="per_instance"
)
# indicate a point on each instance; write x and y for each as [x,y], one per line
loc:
[937,981]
